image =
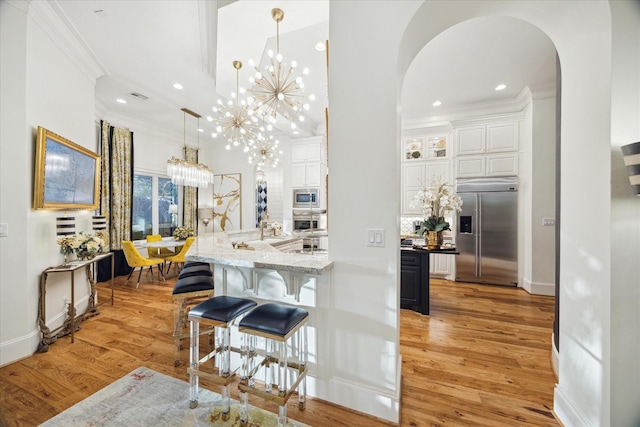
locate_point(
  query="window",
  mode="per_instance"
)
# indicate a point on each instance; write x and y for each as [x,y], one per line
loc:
[157,214]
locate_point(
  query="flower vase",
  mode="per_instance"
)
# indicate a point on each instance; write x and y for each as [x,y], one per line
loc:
[432,240]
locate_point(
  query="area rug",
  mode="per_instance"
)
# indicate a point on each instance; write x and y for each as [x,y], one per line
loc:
[148,398]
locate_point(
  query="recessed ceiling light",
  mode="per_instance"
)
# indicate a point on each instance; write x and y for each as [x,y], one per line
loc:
[501,86]
[437,103]
[320,46]
[209,118]
[121,101]
[177,86]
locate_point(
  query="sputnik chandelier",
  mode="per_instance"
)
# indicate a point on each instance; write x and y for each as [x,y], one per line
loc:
[185,172]
[278,90]
[236,120]
[265,151]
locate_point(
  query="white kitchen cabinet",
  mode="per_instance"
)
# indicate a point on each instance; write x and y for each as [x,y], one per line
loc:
[306,152]
[470,140]
[440,265]
[305,174]
[307,164]
[502,137]
[469,166]
[487,165]
[415,175]
[487,138]
[502,164]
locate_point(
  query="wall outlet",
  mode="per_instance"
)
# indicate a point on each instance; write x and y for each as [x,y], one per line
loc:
[547,222]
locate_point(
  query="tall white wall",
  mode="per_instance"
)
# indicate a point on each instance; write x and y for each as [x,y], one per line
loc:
[364,179]
[43,84]
[543,190]
[625,218]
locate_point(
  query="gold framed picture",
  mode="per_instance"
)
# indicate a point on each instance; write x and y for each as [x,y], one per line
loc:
[67,175]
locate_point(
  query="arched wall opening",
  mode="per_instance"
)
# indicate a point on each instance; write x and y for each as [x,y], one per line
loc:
[583,271]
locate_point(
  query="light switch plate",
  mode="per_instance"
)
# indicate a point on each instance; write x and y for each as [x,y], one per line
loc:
[375,237]
[4,229]
[547,222]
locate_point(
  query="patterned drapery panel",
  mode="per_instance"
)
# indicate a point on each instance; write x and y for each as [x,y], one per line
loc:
[117,183]
[190,205]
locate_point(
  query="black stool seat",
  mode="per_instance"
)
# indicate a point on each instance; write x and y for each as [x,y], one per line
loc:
[274,319]
[193,284]
[195,269]
[222,309]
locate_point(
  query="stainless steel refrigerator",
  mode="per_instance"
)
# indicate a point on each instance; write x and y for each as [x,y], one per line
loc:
[487,230]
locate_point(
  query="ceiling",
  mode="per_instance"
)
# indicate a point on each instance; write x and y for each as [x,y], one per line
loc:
[145,47]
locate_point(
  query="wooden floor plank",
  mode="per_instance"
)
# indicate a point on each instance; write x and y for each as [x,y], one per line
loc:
[480,359]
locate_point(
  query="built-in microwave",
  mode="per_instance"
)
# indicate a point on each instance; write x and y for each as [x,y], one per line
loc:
[306,198]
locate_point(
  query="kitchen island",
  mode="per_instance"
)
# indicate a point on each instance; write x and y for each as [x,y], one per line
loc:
[414,276]
[263,273]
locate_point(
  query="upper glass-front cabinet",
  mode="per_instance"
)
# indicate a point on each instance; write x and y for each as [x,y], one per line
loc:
[425,148]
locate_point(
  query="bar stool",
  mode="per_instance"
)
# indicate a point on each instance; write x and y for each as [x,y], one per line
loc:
[276,323]
[219,312]
[194,285]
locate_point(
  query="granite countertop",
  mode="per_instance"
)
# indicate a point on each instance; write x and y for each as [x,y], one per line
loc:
[217,248]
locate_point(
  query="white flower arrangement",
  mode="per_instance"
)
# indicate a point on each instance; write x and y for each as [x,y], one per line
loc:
[435,201]
[181,233]
[83,245]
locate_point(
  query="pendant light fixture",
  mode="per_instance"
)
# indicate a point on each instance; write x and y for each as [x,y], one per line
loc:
[236,121]
[279,91]
[185,172]
[265,151]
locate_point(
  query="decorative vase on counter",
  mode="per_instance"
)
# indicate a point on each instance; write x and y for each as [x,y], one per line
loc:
[432,240]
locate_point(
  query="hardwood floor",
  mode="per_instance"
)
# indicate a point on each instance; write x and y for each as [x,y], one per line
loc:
[480,359]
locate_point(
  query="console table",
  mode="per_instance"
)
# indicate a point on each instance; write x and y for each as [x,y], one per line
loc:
[71,322]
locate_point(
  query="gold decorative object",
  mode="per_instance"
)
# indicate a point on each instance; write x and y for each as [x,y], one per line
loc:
[236,120]
[278,90]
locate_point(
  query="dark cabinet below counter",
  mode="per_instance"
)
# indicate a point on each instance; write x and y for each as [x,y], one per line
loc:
[414,278]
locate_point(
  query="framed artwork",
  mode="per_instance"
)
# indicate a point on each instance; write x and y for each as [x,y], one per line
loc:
[227,203]
[67,175]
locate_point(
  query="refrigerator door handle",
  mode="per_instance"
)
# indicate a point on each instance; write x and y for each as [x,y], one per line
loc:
[479,234]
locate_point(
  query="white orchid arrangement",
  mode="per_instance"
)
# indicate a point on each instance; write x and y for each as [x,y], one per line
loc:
[435,201]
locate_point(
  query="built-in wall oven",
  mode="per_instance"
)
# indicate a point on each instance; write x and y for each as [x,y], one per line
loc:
[306,198]
[311,225]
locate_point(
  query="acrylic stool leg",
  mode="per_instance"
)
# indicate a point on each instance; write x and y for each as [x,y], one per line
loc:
[303,354]
[194,356]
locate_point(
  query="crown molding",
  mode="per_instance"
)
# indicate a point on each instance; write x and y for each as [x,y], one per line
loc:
[50,17]
[136,124]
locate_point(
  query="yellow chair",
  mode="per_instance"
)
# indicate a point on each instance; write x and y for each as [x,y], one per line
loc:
[179,257]
[135,260]
[158,252]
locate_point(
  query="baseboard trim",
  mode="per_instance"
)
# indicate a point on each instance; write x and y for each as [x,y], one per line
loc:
[565,411]
[539,288]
